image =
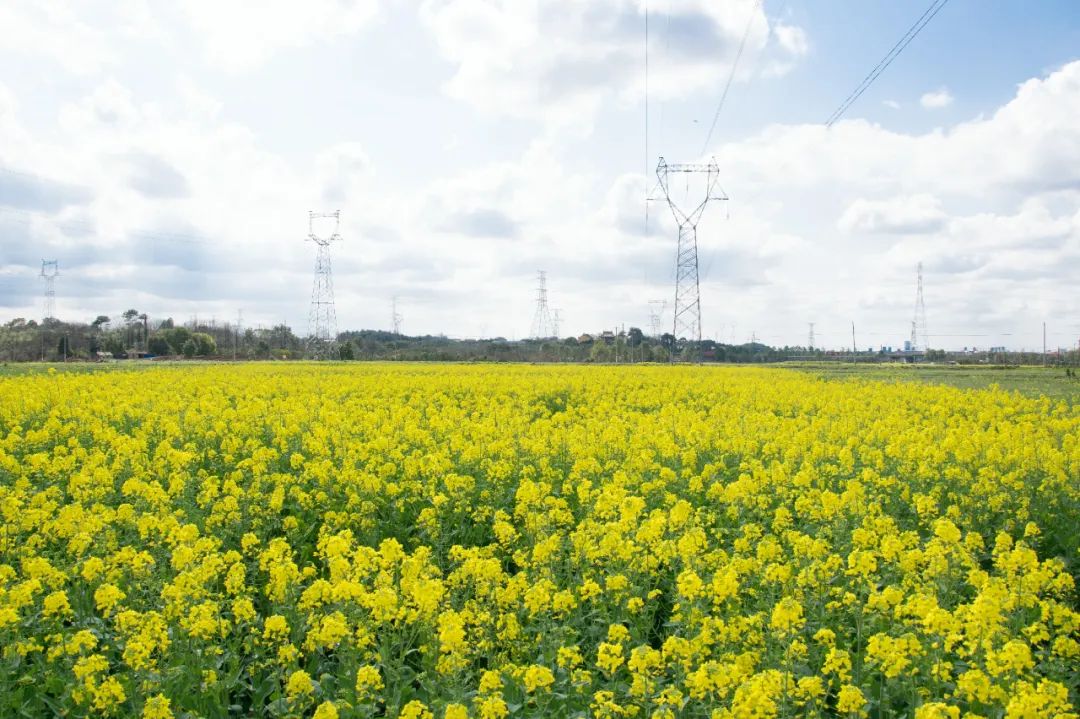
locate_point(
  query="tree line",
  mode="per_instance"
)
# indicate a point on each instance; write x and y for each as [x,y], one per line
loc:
[133,335]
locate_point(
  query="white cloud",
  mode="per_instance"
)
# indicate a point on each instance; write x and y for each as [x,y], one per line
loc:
[110,104]
[936,99]
[792,39]
[910,214]
[892,104]
[561,59]
[792,45]
[54,31]
[239,34]
[345,169]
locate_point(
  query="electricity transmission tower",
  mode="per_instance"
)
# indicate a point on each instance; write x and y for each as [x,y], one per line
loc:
[810,339]
[556,318]
[656,312]
[322,319]
[687,314]
[395,316]
[50,269]
[919,336]
[542,323]
[236,333]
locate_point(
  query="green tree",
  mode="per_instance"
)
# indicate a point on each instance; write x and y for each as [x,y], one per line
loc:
[204,343]
[114,345]
[158,345]
[190,348]
[176,337]
[601,352]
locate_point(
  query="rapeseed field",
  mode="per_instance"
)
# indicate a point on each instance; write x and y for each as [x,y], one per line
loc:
[454,541]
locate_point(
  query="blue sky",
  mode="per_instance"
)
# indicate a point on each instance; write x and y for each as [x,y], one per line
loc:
[170,153]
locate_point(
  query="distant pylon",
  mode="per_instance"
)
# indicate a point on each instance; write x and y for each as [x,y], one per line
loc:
[919,336]
[50,269]
[542,324]
[810,339]
[686,322]
[556,318]
[395,316]
[656,313]
[322,319]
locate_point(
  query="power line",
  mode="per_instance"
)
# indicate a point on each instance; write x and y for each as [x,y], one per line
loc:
[647,160]
[911,34]
[666,53]
[731,76]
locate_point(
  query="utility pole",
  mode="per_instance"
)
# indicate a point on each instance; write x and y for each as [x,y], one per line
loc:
[854,351]
[322,318]
[1044,344]
[686,321]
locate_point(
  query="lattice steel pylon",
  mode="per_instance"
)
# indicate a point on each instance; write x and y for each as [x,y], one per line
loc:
[542,324]
[395,316]
[686,322]
[920,339]
[656,314]
[50,270]
[322,318]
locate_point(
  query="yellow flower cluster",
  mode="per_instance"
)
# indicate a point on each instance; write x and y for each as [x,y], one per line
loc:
[443,542]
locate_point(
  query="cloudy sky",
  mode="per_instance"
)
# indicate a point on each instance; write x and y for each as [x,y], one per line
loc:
[167,154]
